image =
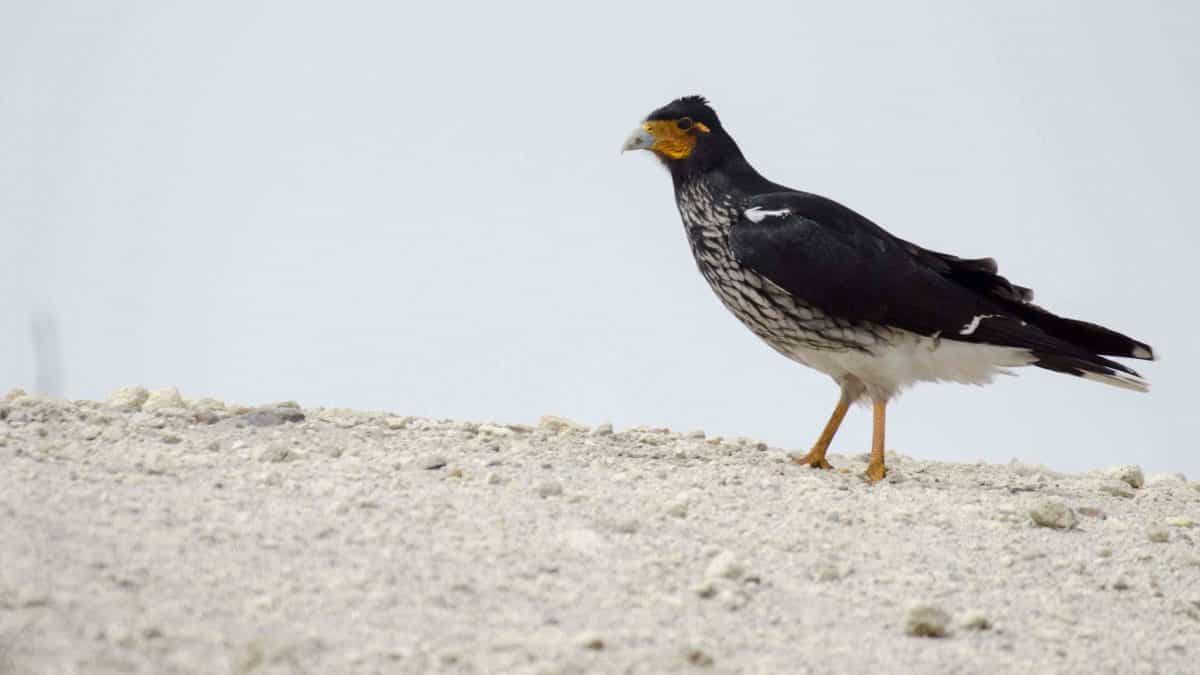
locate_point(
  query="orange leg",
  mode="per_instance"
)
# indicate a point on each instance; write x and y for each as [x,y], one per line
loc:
[816,457]
[875,468]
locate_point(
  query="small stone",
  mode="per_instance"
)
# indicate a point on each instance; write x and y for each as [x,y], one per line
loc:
[127,398]
[695,435]
[678,506]
[160,399]
[1127,473]
[1120,584]
[273,452]
[559,425]
[431,462]
[706,588]
[1158,535]
[605,429]
[697,657]
[1054,514]
[550,488]
[626,525]
[14,394]
[975,620]
[1091,512]
[494,478]
[725,565]
[826,572]
[927,621]
[1117,488]
[396,423]
[494,430]
[590,640]
[1180,522]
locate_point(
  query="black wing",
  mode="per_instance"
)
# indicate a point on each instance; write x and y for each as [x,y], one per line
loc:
[845,265]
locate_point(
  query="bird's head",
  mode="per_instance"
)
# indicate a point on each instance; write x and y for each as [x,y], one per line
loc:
[685,134]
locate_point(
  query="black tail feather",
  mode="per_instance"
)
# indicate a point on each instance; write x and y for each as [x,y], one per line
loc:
[1095,368]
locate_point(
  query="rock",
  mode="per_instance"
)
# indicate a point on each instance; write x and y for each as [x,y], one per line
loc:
[431,462]
[550,488]
[395,423]
[494,430]
[605,429]
[128,399]
[273,452]
[494,478]
[1158,535]
[724,565]
[160,399]
[270,416]
[697,657]
[590,640]
[927,621]
[559,425]
[975,620]
[1127,473]
[1180,522]
[1091,512]
[1054,514]
[208,404]
[14,394]
[679,506]
[1120,584]
[1116,488]
[825,572]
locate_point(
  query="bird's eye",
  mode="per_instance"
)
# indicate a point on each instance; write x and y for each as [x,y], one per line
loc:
[684,123]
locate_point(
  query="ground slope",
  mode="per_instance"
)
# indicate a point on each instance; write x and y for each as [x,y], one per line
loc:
[157,535]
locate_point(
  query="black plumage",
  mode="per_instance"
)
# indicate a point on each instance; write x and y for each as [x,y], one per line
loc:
[827,287]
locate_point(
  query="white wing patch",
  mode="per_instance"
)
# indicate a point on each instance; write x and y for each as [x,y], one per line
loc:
[757,213]
[974,323]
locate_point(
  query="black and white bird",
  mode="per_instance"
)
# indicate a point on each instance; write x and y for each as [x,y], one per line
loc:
[828,288]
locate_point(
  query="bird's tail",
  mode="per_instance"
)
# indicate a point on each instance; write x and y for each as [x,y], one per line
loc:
[1093,367]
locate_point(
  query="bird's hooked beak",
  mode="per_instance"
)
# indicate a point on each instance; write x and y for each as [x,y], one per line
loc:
[640,139]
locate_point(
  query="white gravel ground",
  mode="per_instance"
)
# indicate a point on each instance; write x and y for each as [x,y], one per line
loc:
[149,534]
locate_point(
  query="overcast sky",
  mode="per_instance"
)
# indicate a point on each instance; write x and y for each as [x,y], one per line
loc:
[421,207]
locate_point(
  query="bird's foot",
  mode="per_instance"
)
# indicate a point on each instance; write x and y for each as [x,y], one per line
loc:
[875,472]
[813,459]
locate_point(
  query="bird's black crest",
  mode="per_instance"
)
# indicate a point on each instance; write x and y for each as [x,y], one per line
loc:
[695,107]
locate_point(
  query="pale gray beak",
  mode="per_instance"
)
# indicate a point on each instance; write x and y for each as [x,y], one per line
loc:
[640,139]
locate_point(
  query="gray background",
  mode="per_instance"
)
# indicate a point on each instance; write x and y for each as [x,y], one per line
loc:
[422,209]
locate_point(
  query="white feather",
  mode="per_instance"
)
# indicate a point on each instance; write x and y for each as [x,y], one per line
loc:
[756,214]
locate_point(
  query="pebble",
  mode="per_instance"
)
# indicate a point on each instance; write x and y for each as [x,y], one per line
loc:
[1158,535]
[697,657]
[494,478]
[1127,473]
[1180,522]
[678,506]
[926,621]
[590,640]
[270,417]
[127,398]
[160,399]
[1117,488]
[273,452]
[1054,514]
[395,423]
[14,394]
[550,488]
[605,429]
[559,425]
[725,565]
[975,620]
[431,462]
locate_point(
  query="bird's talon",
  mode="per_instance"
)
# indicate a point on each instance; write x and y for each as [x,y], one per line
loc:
[814,462]
[875,472]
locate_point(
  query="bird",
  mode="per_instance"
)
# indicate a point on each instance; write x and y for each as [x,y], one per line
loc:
[828,288]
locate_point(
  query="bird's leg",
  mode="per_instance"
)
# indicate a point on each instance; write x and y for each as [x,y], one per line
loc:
[875,469]
[816,457]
